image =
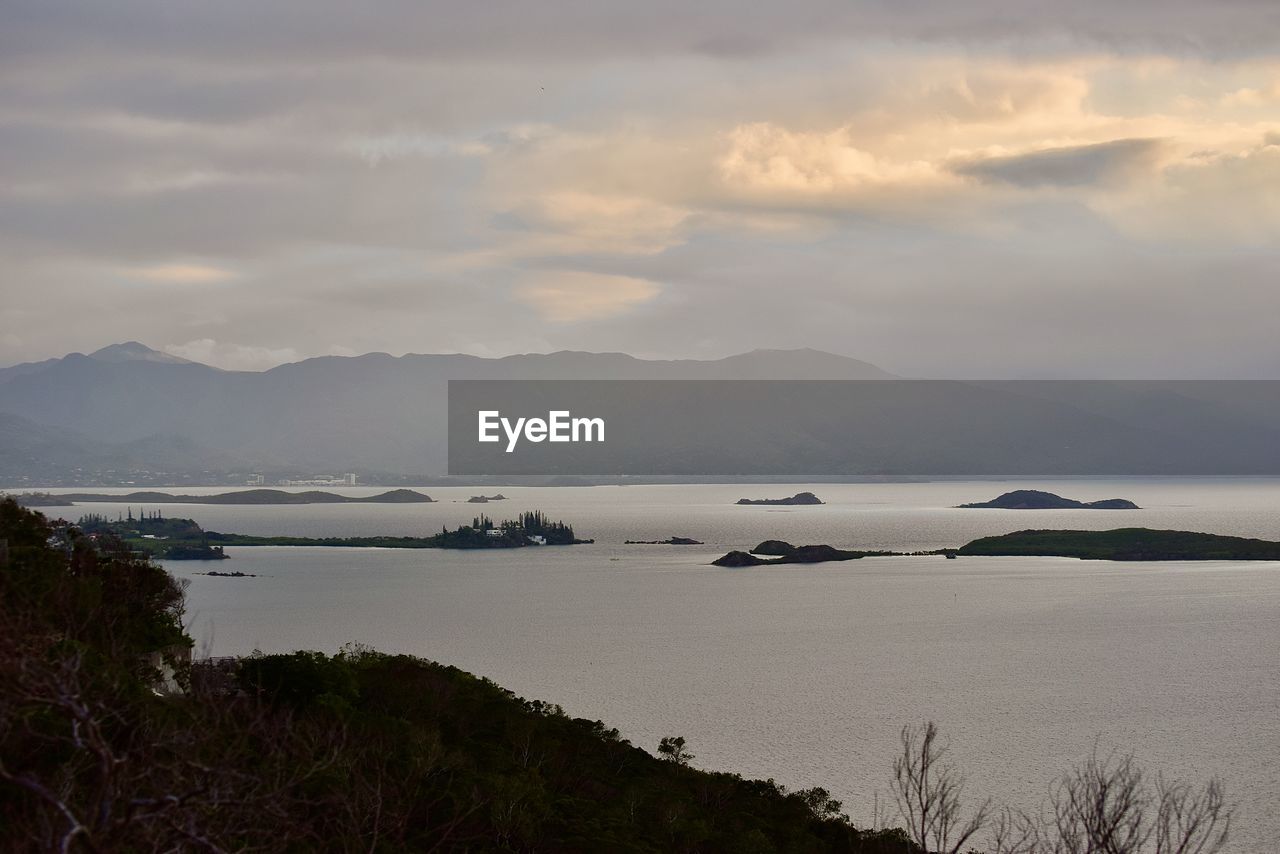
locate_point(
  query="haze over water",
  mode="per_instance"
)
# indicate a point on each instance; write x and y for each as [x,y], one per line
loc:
[806,673]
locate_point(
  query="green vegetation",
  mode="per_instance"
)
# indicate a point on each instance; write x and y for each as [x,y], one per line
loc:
[154,535]
[525,530]
[101,596]
[1124,544]
[303,751]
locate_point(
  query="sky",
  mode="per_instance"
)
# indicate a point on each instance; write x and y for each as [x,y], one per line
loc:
[946,189]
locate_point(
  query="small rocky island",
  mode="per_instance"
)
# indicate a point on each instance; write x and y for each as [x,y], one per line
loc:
[670,541]
[1034,499]
[794,554]
[485,499]
[254,496]
[799,499]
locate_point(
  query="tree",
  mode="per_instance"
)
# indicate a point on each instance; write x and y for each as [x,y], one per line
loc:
[672,749]
[928,790]
[1104,806]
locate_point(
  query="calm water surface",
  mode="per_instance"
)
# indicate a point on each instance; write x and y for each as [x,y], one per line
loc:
[806,673]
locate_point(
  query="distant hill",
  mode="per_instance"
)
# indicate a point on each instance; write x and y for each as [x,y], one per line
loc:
[129,351]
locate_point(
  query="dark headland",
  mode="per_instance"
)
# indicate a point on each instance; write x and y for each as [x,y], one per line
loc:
[800,498]
[1124,544]
[1034,499]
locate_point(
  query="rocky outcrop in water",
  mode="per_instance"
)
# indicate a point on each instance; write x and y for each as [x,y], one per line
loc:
[799,499]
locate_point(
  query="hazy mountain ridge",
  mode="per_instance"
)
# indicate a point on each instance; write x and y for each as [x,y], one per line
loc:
[378,413]
[371,412]
[31,450]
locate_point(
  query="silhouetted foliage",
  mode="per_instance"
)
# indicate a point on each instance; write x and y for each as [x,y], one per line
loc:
[304,751]
[672,748]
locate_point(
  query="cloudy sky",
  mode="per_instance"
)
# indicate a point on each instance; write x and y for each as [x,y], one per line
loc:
[982,189]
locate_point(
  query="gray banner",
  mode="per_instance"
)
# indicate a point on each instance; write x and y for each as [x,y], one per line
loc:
[830,427]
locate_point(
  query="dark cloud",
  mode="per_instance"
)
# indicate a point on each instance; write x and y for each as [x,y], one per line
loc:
[1077,166]
[568,30]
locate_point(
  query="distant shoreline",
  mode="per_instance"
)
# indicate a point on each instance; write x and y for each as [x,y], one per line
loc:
[514,482]
[237,497]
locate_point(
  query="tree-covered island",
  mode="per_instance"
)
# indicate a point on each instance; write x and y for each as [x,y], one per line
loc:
[153,534]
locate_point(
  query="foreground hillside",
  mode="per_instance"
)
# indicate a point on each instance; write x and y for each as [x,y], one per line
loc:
[359,751]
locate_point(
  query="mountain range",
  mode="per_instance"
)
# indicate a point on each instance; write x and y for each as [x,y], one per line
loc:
[128,409]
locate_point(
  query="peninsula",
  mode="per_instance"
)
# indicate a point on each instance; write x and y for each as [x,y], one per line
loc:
[1034,499]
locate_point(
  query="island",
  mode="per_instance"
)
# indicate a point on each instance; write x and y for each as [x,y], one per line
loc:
[183,539]
[1123,544]
[254,496]
[485,499]
[670,541]
[798,554]
[1034,499]
[799,499]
